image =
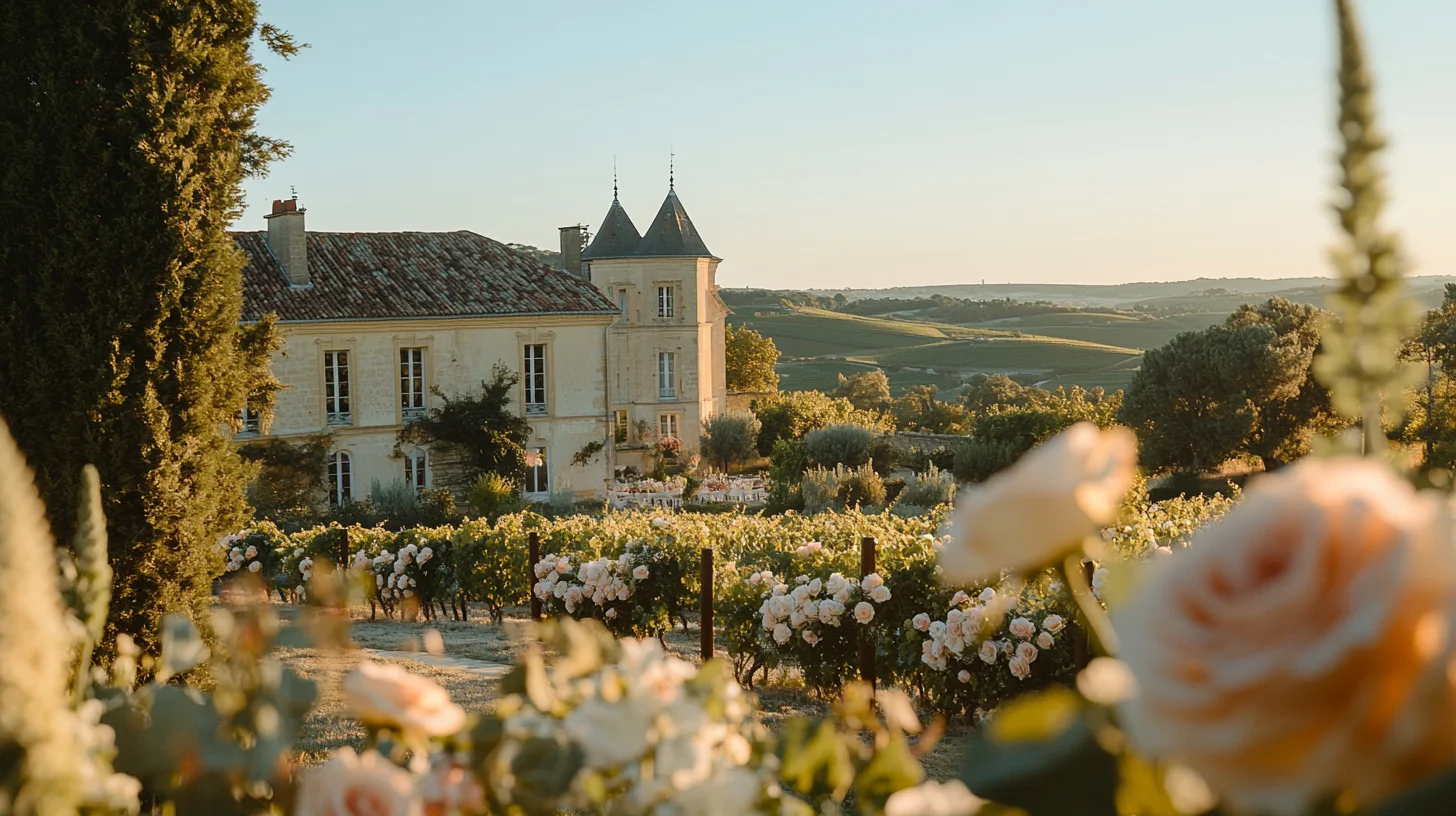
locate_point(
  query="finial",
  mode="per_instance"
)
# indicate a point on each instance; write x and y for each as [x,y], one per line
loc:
[670,157]
[293,191]
[614,177]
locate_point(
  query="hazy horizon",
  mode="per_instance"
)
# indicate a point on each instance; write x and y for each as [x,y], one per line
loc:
[868,146]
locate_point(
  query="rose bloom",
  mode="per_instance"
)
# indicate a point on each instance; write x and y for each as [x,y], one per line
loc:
[1053,623]
[1041,508]
[1019,668]
[1301,646]
[611,613]
[959,598]
[829,612]
[781,634]
[640,573]
[353,785]
[880,594]
[387,695]
[1022,628]
[810,637]
[921,622]
[871,581]
[863,612]
[986,595]
[1045,640]
[964,676]
[1027,652]
[988,651]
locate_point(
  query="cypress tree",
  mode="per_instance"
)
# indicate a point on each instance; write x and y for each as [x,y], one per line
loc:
[125,132]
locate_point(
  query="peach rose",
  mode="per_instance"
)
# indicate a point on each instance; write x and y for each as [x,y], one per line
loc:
[1042,507]
[1020,669]
[1022,628]
[1301,646]
[386,695]
[353,785]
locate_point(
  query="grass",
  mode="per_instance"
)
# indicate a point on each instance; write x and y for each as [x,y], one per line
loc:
[1011,354]
[815,333]
[1126,330]
[823,375]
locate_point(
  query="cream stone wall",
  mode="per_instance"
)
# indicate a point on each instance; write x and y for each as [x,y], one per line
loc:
[459,355]
[694,334]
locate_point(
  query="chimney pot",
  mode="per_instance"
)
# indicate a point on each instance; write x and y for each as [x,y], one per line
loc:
[571,240]
[277,206]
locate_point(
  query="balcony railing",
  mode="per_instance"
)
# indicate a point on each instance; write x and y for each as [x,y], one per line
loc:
[340,418]
[535,409]
[411,413]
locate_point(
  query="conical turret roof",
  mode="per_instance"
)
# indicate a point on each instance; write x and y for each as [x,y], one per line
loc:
[617,238]
[672,233]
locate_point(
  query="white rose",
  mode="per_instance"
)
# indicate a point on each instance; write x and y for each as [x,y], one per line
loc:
[815,587]
[409,593]
[661,523]
[835,583]
[610,734]
[755,579]
[353,785]
[599,597]
[959,598]
[379,581]
[864,612]
[842,595]
[921,622]
[781,634]
[1045,640]
[951,798]
[1027,652]
[1019,668]
[829,612]
[251,552]
[387,695]
[256,566]
[612,613]
[797,618]
[871,581]
[1053,623]
[811,610]
[1022,628]
[880,594]
[988,651]
[937,629]
[964,676]
[955,643]
[810,637]
[1042,507]
[986,595]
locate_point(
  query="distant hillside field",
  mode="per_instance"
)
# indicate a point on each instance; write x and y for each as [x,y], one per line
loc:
[1129,331]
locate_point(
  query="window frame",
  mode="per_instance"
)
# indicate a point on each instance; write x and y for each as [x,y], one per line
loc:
[667,376]
[341,478]
[249,423]
[538,479]
[412,385]
[338,394]
[537,404]
[417,470]
[666,301]
[621,425]
[669,426]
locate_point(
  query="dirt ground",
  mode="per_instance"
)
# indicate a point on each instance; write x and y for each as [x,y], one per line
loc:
[328,726]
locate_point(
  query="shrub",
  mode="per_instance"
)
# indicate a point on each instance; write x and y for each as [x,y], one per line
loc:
[861,487]
[786,472]
[729,439]
[820,490]
[398,501]
[494,495]
[846,445]
[979,459]
[791,415]
[933,487]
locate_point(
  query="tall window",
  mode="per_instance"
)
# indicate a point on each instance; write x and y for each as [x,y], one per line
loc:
[622,301]
[667,426]
[249,421]
[533,373]
[417,470]
[341,478]
[411,382]
[666,375]
[664,301]
[536,481]
[619,425]
[336,388]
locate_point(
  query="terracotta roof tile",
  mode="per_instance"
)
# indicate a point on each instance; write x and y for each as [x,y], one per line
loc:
[380,275]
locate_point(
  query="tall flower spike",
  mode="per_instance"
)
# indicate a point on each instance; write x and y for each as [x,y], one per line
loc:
[34,653]
[93,571]
[1359,362]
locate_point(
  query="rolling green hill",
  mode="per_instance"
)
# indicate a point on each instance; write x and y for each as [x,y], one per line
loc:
[1126,330]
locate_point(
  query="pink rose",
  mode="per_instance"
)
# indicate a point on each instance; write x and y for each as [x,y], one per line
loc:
[640,573]
[1027,652]
[921,622]
[1053,623]
[863,612]
[1019,668]
[1022,628]
[1301,646]
[988,651]
[1045,640]
[382,694]
[964,676]
[353,785]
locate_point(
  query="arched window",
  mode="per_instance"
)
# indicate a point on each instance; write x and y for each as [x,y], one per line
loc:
[341,478]
[417,469]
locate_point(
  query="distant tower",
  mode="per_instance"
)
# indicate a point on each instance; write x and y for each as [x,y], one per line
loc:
[665,354]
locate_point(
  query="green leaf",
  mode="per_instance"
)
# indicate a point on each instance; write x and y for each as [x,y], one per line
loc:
[544,768]
[814,760]
[1044,759]
[892,768]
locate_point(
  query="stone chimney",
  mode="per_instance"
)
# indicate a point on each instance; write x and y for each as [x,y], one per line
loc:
[572,239]
[288,241]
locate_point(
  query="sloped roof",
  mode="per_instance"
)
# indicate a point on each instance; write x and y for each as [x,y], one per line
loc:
[672,233]
[382,275]
[617,238]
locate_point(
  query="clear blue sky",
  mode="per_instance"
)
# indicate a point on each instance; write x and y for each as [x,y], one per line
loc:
[868,144]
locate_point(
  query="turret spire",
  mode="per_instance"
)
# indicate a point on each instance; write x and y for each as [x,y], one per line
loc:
[670,157]
[614,177]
